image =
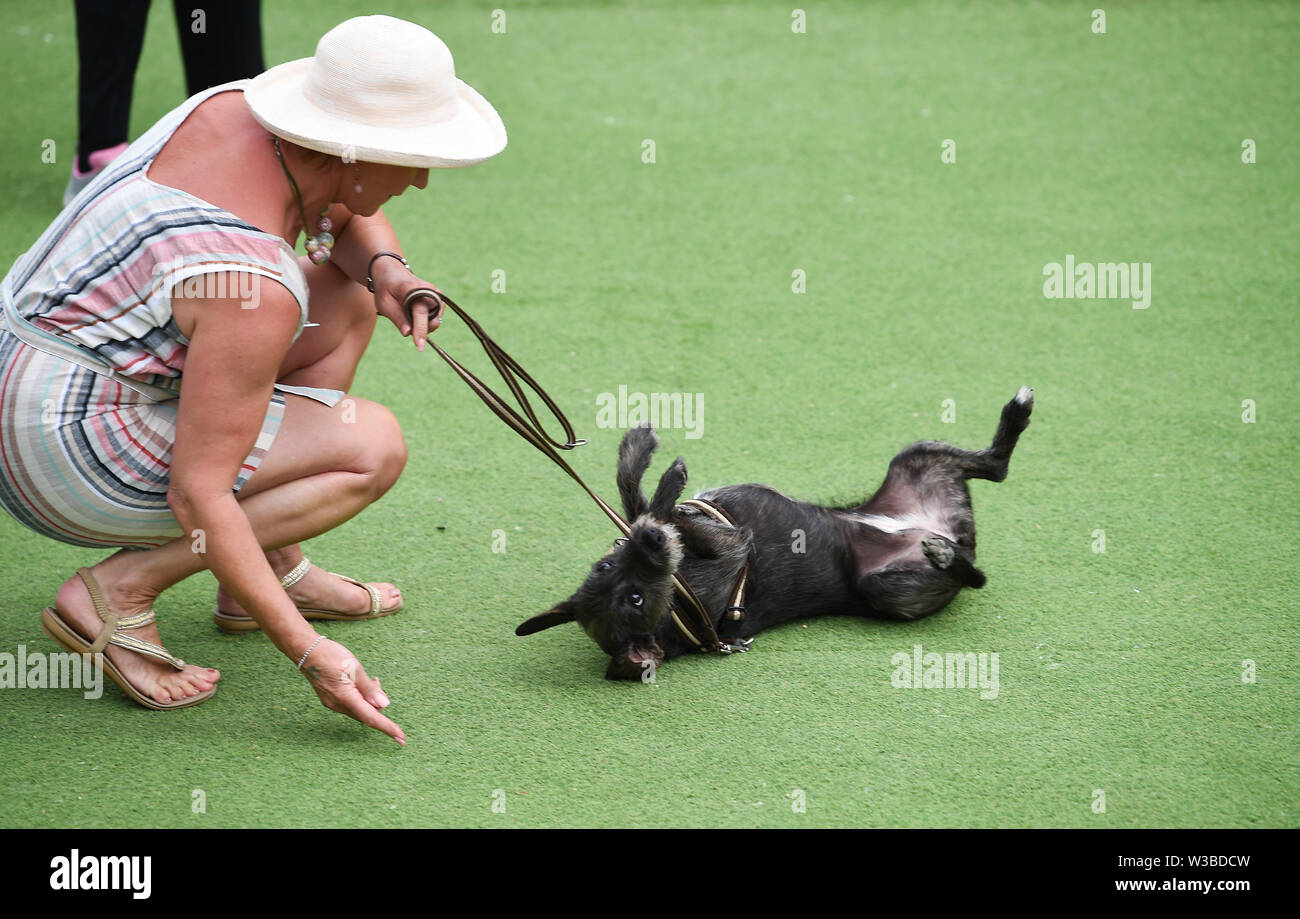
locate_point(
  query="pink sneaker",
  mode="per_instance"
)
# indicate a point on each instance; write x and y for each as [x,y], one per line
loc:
[98,160]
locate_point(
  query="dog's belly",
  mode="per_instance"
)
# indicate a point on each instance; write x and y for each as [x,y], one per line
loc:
[902,523]
[893,541]
[879,551]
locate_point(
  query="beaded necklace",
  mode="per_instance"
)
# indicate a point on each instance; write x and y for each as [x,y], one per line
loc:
[318,246]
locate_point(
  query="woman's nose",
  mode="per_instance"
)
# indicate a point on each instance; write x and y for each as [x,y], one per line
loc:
[421,178]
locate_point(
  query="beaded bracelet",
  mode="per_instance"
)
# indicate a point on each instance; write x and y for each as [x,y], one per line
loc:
[303,659]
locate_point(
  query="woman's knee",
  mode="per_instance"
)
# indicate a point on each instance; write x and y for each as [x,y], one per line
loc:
[383,445]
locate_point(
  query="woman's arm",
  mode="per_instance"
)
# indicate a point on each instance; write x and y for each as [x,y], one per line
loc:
[357,240]
[233,359]
[230,369]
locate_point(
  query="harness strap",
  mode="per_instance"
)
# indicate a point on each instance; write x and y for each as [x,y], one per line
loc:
[688,613]
[735,610]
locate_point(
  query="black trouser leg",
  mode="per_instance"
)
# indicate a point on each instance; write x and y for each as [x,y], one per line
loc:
[110,34]
[228,48]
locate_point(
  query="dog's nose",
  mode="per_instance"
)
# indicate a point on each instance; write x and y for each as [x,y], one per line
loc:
[653,538]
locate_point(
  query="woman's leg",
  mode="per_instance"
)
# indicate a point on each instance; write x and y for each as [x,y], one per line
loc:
[324,356]
[320,471]
[229,47]
[324,466]
[109,38]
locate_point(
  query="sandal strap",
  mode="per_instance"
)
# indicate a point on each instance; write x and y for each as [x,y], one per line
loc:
[376,599]
[138,621]
[96,596]
[300,571]
[148,648]
[101,609]
[113,624]
[297,574]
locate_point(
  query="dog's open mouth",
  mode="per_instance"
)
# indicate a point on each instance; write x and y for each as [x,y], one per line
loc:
[642,656]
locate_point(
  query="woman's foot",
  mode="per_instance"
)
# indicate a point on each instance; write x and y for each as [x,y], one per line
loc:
[151,677]
[318,590]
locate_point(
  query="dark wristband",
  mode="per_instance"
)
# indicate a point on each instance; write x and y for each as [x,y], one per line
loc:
[370,268]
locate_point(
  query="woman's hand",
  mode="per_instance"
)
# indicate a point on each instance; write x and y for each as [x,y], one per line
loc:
[392,283]
[343,686]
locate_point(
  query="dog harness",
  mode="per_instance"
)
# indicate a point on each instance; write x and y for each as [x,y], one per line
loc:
[735,610]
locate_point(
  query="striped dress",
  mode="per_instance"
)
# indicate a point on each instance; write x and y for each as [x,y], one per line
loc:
[84,456]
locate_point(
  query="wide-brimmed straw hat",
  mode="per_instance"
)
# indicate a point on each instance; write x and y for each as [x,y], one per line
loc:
[379,90]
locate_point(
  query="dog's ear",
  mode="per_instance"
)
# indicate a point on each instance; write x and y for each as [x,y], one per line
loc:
[557,615]
[634,454]
[670,489]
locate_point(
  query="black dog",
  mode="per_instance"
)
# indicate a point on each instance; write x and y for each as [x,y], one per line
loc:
[902,554]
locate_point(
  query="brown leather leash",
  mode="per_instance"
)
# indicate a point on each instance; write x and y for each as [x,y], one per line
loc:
[687,611]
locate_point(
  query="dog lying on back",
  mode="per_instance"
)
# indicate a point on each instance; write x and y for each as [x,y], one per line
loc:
[904,553]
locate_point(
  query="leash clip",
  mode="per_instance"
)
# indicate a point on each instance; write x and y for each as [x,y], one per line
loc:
[739,647]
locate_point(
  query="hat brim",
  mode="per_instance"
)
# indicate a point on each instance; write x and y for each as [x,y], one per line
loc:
[475,133]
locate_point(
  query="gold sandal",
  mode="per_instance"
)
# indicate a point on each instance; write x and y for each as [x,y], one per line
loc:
[69,638]
[236,624]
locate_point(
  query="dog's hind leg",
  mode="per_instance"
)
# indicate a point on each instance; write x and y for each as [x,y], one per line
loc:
[907,593]
[1015,418]
[992,463]
[957,560]
[929,456]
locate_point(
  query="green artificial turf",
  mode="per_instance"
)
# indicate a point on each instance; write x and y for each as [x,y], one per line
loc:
[775,151]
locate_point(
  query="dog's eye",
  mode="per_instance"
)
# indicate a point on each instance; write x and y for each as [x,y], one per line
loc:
[635,598]
[603,566]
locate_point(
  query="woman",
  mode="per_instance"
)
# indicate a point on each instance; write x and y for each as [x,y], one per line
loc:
[177,263]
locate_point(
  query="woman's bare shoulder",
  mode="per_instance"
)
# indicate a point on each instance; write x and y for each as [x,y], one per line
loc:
[221,155]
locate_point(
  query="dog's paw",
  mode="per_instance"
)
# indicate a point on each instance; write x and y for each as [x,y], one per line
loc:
[1025,399]
[938,550]
[1016,412]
